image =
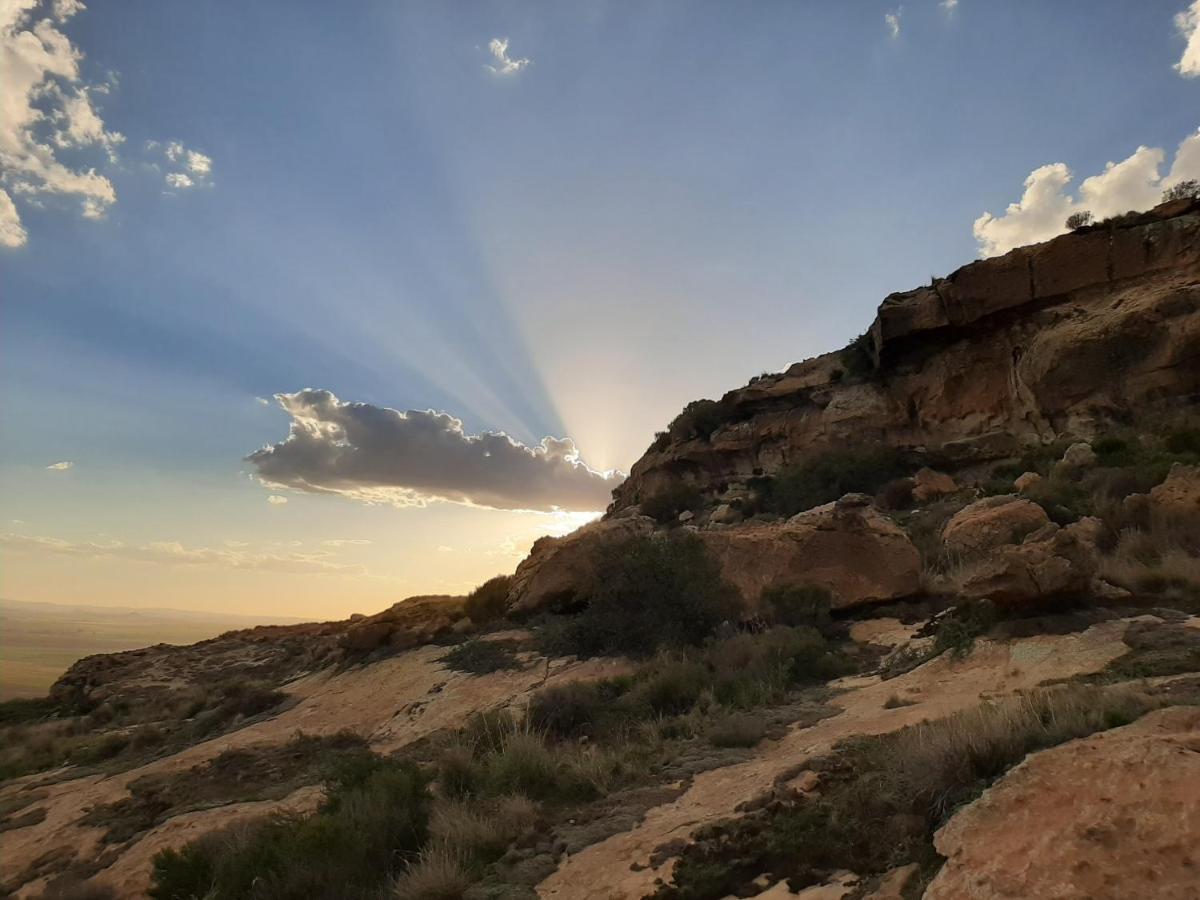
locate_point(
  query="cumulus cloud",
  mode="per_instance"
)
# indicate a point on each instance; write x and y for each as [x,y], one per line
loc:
[191,168]
[61,466]
[46,108]
[174,553]
[276,500]
[381,455]
[1133,183]
[892,21]
[505,65]
[1188,25]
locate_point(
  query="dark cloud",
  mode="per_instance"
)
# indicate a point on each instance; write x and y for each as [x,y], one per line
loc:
[409,458]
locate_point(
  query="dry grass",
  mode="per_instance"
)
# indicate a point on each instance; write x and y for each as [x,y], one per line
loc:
[1162,559]
[440,873]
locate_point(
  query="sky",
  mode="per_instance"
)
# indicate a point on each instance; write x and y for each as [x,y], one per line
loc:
[308,308]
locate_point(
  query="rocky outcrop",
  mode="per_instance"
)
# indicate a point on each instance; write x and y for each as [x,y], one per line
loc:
[557,567]
[1109,817]
[848,547]
[1047,341]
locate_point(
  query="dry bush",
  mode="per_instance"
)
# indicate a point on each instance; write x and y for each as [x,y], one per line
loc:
[1161,559]
[940,762]
[738,730]
[489,601]
[439,873]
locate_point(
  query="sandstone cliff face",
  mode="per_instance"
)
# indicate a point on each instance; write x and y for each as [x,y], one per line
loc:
[1046,341]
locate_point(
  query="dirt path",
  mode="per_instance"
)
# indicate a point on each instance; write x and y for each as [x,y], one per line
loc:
[606,871]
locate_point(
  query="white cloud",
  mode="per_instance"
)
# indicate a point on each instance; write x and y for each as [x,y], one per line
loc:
[46,107]
[1188,25]
[12,232]
[61,466]
[198,163]
[192,168]
[174,553]
[949,5]
[1041,213]
[381,455]
[347,542]
[505,65]
[276,500]
[892,20]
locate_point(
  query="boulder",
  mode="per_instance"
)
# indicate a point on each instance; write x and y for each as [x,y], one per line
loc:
[1076,458]
[1024,482]
[929,483]
[848,547]
[557,567]
[1109,817]
[1180,493]
[990,523]
[725,514]
[1050,562]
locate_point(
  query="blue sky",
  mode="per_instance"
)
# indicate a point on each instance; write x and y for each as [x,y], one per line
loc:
[667,199]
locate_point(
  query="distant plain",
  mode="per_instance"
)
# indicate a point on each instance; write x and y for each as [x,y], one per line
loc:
[39,641]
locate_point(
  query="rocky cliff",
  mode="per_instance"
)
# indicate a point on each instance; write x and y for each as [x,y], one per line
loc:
[1048,341]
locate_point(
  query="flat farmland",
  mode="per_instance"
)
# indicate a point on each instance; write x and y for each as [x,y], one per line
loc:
[39,641]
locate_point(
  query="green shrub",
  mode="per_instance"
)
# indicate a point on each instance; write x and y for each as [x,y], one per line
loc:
[482,657]
[370,823]
[797,604]
[673,687]
[572,709]
[856,357]
[648,592]
[700,418]
[666,505]
[458,774]
[489,601]
[828,476]
[22,710]
[751,670]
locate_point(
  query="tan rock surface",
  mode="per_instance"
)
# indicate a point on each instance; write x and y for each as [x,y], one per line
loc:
[392,702]
[990,523]
[944,686]
[1109,817]
[1179,495]
[852,549]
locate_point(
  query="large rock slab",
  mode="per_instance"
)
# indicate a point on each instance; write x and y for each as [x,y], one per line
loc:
[848,547]
[1109,817]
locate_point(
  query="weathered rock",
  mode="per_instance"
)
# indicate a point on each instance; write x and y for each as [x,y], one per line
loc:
[725,514]
[1180,493]
[990,523]
[848,547]
[557,567]
[929,483]
[1109,817]
[1079,455]
[1050,562]
[1045,342]
[893,883]
[1025,481]
[367,636]
[686,516]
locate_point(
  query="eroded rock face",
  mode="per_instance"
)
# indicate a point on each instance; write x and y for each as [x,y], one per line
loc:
[849,547]
[1047,341]
[1109,817]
